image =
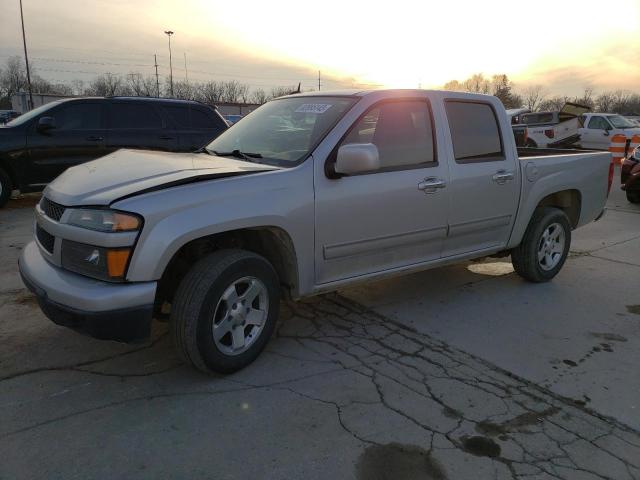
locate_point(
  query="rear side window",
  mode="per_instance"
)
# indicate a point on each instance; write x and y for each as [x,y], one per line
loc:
[188,117]
[134,116]
[537,118]
[402,131]
[200,119]
[475,133]
[78,116]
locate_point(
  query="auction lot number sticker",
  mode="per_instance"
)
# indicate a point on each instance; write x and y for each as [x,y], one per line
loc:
[313,108]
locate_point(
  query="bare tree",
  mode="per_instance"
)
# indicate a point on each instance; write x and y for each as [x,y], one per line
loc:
[532,97]
[258,96]
[107,85]
[141,86]
[604,102]
[553,103]
[477,84]
[282,91]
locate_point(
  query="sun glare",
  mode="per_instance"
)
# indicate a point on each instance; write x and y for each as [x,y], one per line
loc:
[406,44]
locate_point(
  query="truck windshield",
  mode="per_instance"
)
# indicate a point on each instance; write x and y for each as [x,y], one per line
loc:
[283,131]
[619,121]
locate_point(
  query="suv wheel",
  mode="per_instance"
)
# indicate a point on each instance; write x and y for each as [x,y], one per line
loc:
[5,187]
[225,310]
[633,196]
[544,247]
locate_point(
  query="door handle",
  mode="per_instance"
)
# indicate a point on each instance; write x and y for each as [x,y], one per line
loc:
[502,176]
[94,138]
[431,185]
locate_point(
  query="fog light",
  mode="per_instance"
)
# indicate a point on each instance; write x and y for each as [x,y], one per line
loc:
[117,262]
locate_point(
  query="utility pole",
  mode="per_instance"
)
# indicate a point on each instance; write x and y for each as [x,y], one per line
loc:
[169,33]
[26,58]
[155,61]
[186,73]
[318,80]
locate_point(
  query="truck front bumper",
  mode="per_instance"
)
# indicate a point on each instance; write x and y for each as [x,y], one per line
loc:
[87,305]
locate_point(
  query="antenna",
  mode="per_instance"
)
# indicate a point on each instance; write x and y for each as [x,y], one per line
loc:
[319,83]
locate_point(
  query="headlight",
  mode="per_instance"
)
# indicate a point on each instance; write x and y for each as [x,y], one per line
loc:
[104,220]
[98,262]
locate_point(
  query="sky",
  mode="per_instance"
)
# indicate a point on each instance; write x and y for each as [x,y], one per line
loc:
[563,45]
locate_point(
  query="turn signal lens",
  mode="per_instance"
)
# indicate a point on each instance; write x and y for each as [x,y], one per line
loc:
[117,262]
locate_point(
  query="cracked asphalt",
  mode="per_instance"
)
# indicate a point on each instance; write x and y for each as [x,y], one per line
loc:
[464,372]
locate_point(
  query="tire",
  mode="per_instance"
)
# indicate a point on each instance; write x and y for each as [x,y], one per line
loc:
[525,258]
[205,307]
[633,196]
[6,186]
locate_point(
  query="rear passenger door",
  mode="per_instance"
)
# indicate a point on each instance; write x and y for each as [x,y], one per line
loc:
[195,126]
[484,179]
[139,124]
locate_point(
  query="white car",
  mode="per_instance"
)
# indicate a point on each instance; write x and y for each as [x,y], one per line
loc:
[598,128]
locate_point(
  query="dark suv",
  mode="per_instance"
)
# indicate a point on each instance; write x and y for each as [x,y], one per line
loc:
[39,145]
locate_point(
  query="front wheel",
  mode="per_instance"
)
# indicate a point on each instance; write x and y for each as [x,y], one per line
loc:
[225,310]
[633,197]
[544,247]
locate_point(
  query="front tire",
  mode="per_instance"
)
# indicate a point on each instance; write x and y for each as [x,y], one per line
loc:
[225,311]
[544,247]
[633,197]
[6,186]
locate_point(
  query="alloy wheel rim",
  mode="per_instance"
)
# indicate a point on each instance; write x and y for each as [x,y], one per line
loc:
[551,247]
[240,315]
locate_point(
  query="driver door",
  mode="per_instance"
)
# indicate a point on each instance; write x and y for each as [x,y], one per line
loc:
[391,217]
[596,134]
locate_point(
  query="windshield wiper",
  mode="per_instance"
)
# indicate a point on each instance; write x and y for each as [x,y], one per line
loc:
[238,154]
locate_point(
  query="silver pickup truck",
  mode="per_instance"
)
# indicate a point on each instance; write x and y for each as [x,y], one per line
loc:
[309,193]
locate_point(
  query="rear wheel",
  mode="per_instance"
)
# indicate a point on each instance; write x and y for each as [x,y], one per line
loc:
[633,197]
[544,247]
[225,310]
[6,186]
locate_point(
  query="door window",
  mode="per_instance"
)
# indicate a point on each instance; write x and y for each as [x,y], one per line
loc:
[78,116]
[599,123]
[134,116]
[402,132]
[475,132]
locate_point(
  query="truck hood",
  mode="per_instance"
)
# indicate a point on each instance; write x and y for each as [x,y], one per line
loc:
[131,172]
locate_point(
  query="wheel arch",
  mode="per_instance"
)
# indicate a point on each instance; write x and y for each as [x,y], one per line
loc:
[569,201]
[271,242]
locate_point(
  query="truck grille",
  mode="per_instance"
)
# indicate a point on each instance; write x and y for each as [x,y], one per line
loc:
[45,238]
[51,209]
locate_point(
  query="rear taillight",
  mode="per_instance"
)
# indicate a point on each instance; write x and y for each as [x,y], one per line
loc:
[611,171]
[550,133]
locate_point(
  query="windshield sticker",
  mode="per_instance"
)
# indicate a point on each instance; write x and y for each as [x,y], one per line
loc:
[313,108]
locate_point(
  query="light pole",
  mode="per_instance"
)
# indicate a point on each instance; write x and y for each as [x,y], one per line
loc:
[169,33]
[26,58]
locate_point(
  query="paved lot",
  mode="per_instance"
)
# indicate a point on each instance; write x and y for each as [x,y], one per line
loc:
[463,372]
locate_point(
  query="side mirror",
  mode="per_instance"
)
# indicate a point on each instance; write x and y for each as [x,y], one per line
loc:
[46,123]
[606,132]
[357,158]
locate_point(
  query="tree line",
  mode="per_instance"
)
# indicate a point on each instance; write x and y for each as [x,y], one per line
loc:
[13,79]
[537,99]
